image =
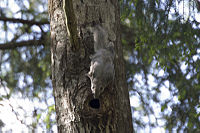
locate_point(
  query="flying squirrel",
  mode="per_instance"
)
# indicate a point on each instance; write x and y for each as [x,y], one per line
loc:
[101,72]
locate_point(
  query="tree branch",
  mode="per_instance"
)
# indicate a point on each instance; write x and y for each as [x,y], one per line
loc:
[12,45]
[30,22]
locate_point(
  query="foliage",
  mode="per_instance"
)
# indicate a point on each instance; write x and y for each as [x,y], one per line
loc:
[25,71]
[162,46]
[161,49]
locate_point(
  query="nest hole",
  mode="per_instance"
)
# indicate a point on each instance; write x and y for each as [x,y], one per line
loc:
[94,103]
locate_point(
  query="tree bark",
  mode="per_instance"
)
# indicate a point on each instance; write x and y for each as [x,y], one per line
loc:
[77,111]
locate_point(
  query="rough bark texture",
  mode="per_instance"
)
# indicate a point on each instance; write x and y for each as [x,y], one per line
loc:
[77,111]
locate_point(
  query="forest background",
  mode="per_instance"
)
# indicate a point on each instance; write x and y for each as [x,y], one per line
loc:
[161,45]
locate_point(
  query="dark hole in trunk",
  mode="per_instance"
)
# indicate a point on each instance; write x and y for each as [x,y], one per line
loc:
[94,103]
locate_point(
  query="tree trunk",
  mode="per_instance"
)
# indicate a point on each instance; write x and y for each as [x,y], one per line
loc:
[77,111]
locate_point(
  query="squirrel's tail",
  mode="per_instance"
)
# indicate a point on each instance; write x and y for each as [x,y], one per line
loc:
[100,37]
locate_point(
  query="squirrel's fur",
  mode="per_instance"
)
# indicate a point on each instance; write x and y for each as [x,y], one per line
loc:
[101,71]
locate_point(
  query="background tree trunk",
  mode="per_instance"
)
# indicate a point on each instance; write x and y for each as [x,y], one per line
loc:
[76,109]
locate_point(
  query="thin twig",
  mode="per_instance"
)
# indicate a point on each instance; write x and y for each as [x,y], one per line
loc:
[12,45]
[29,22]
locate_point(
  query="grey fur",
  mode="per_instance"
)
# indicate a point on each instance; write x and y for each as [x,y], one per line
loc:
[101,71]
